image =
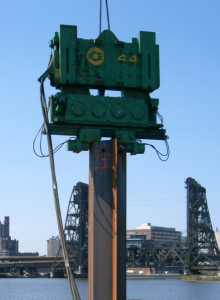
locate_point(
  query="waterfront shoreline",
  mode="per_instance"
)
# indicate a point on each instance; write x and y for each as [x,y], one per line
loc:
[192,278]
[199,278]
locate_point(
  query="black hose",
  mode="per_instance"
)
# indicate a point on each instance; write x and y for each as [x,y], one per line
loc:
[73,288]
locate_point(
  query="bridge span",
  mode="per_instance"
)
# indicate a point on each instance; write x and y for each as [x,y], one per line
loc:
[32,263]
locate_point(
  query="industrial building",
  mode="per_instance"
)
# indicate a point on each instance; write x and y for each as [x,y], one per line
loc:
[53,245]
[6,243]
[146,233]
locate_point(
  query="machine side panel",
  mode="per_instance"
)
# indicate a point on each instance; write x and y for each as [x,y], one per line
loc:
[68,40]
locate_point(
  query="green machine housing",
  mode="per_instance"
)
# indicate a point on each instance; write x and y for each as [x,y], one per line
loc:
[105,63]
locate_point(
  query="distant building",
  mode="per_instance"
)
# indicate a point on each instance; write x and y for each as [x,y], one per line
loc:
[9,244]
[6,243]
[7,224]
[135,241]
[184,240]
[145,233]
[217,236]
[53,245]
[4,228]
[4,253]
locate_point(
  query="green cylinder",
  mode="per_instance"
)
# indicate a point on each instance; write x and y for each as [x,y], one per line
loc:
[135,148]
[77,146]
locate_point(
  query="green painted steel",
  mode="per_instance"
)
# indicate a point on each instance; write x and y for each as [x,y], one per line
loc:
[96,110]
[104,63]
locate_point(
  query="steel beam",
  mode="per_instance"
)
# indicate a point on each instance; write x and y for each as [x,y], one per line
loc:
[107,221]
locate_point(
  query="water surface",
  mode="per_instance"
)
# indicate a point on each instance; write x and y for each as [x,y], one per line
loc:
[143,289]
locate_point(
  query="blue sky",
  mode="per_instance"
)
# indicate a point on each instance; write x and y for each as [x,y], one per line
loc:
[189,39]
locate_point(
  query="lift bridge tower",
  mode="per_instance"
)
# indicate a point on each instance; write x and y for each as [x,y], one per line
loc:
[201,240]
[76,226]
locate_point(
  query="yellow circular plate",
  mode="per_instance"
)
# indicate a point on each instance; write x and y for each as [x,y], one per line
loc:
[95,56]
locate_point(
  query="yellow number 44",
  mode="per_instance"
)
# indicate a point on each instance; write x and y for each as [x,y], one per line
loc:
[133,59]
[122,57]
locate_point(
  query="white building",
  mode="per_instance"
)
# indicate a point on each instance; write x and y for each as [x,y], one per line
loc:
[145,232]
[217,236]
[53,245]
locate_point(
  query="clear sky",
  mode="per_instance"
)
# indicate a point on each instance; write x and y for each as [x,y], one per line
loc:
[189,38]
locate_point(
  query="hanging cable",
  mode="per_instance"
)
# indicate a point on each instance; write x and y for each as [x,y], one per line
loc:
[72,284]
[106,2]
[160,117]
[100,15]
[159,154]
[35,141]
[55,150]
[100,18]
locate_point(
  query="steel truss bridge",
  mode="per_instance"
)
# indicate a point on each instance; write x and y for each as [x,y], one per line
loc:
[32,263]
[201,250]
[76,229]
[167,256]
[199,253]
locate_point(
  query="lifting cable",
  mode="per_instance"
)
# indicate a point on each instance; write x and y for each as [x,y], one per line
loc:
[73,288]
[100,15]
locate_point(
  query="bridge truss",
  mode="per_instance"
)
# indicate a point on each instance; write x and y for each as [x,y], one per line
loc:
[157,256]
[199,253]
[76,229]
[201,250]
[201,241]
[76,225]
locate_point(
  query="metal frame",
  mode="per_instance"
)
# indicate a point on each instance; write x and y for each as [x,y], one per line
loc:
[201,238]
[76,225]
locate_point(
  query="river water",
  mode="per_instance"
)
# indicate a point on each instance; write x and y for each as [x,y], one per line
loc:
[143,289]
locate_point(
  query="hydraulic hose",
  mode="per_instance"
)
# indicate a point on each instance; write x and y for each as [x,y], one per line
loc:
[73,288]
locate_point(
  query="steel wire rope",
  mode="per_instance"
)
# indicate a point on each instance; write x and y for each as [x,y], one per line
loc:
[100,15]
[73,288]
[106,2]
